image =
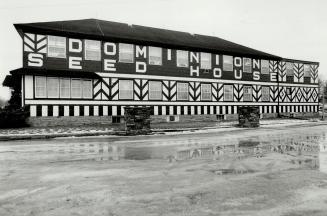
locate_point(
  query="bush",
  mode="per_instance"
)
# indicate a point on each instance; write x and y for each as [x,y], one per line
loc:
[13,118]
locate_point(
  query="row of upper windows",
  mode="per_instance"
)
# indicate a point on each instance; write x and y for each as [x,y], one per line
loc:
[126,91]
[92,51]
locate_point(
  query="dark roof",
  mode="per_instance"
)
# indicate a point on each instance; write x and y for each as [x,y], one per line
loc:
[114,31]
[60,73]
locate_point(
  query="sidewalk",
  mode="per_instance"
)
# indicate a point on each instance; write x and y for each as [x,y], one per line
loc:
[117,130]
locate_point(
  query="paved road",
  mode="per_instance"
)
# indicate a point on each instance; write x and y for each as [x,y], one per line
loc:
[248,172]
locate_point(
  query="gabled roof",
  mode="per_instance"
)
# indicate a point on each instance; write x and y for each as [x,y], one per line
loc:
[114,31]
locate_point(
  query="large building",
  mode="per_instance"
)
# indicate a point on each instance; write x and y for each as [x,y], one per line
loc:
[95,68]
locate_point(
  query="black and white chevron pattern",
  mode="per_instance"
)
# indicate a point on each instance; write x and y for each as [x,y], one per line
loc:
[169,90]
[273,93]
[314,73]
[238,92]
[282,71]
[298,72]
[141,89]
[217,91]
[105,89]
[256,93]
[194,91]
[35,43]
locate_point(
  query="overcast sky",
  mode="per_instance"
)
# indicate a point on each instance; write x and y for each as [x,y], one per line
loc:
[292,29]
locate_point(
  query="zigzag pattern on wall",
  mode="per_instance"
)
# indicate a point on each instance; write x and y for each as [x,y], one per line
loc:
[238,92]
[194,91]
[256,93]
[306,94]
[282,71]
[141,89]
[273,93]
[35,43]
[105,89]
[314,73]
[217,91]
[298,72]
[169,92]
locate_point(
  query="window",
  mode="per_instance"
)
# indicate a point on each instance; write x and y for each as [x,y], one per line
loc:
[182,58]
[56,47]
[247,65]
[155,90]
[76,88]
[205,61]
[247,93]
[40,87]
[228,93]
[205,91]
[126,53]
[155,56]
[264,66]
[64,88]
[289,69]
[307,71]
[53,87]
[288,91]
[265,92]
[125,89]
[87,88]
[228,63]
[182,91]
[92,50]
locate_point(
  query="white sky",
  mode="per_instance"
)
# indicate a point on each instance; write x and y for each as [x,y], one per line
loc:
[288,28]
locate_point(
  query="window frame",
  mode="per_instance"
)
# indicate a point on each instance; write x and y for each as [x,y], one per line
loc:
[58,87]
[244,61]
[179,52]
[224,63]
[232,92]
[155,81]
[159,48]
[308,66]
[85,50]
[119,89]
[120,51]
[262,97]
[91,87]
[45,87]
[251,95]
[210,92]
[262,67]
[64,46]
[287,69]
[177,91]
[71,88]
[210,61]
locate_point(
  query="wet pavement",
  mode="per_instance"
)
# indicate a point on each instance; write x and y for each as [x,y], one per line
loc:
[248,164]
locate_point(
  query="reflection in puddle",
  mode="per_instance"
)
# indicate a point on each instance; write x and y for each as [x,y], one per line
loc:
[300,150]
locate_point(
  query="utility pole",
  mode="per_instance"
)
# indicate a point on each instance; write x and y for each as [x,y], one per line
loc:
[323,101]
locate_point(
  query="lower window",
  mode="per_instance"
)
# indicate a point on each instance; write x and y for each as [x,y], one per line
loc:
[126,89]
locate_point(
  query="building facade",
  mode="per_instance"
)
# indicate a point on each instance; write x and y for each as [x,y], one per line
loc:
[96,68]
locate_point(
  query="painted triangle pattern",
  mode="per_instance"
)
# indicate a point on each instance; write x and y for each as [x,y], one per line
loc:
[194,91]
[238,92]
[141,89]
[35,43]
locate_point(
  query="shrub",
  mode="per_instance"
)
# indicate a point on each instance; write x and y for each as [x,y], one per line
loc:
[13,118]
